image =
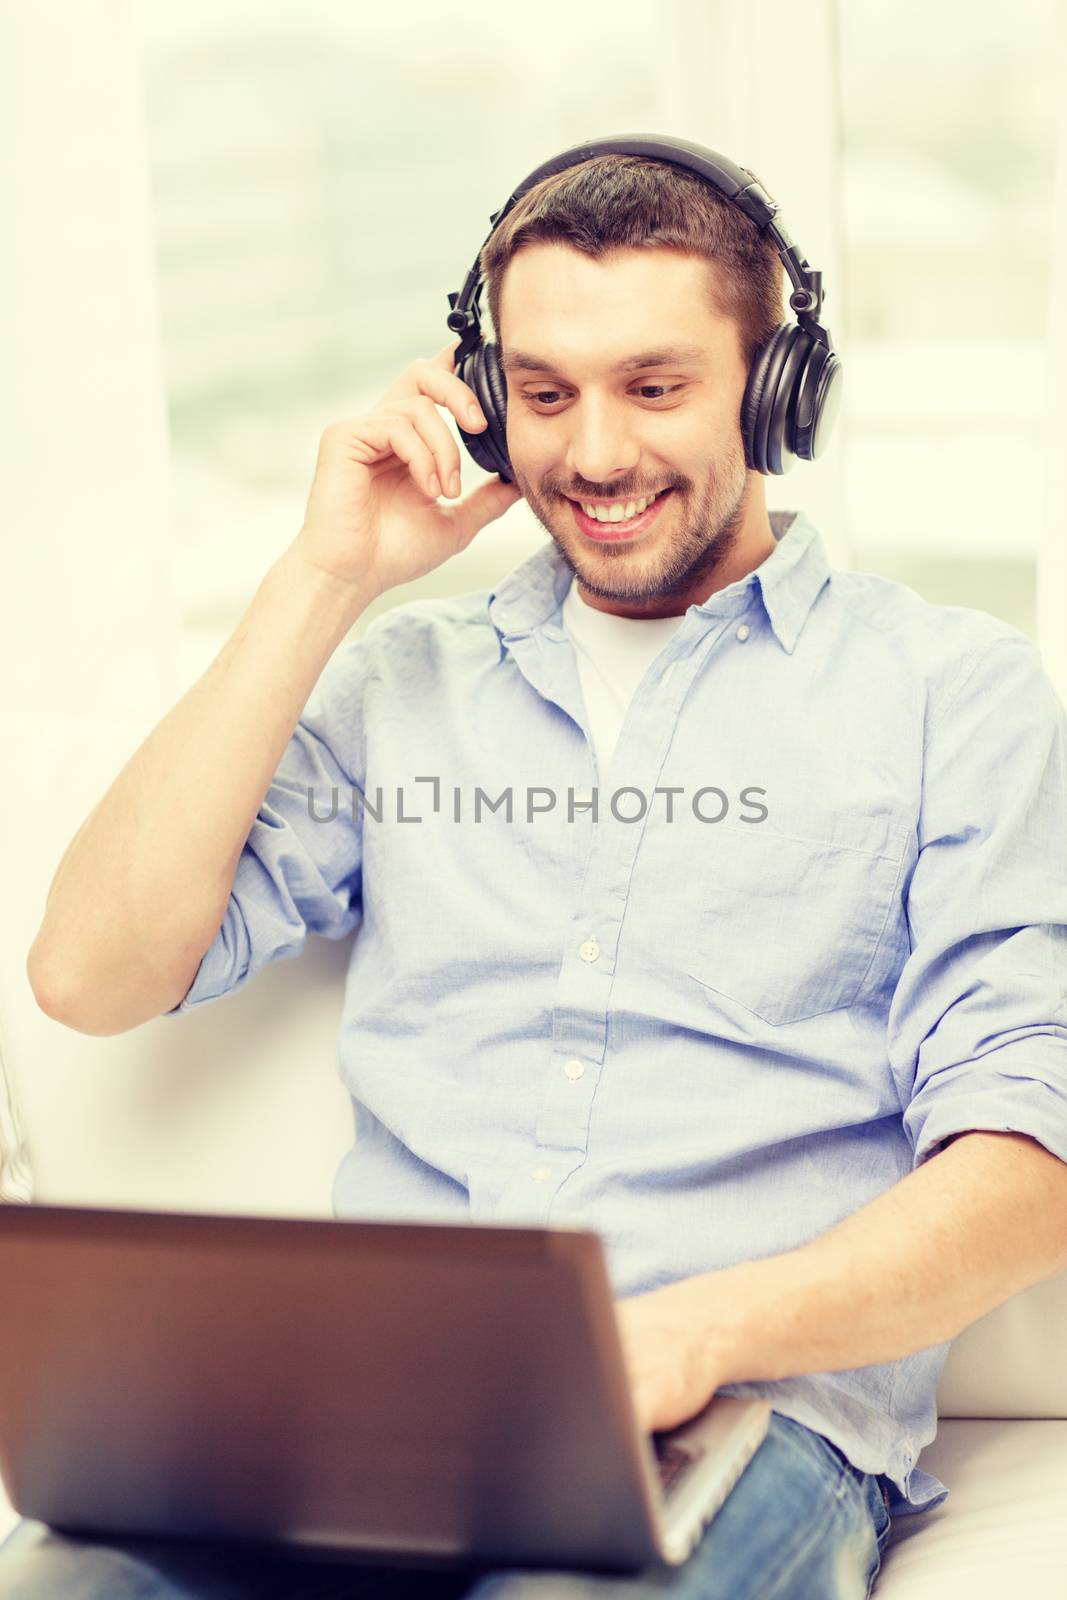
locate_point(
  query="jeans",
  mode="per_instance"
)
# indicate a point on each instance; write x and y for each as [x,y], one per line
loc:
[801,1523]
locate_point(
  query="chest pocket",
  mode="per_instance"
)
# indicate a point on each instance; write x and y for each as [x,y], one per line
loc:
[790,927]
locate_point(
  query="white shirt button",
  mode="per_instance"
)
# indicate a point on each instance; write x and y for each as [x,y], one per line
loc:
[742,632]
[574,1069]
[589,951]
[540,1173]
[583,797]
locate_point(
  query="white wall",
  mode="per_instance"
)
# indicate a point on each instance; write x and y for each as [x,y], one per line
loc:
[88,629]
[1052,551]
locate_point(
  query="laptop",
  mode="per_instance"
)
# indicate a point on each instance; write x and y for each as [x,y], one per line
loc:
[421,1394]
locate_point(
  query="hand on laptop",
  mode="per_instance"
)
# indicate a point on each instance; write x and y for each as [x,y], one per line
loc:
[673,1363]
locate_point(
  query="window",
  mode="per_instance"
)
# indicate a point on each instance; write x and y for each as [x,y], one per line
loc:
[948,145]
[319,186]
[318,189]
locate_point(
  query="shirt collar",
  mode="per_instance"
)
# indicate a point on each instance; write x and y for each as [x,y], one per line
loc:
[789,581]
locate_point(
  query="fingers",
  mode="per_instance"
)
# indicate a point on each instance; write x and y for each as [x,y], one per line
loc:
[422,440]
[435,378]
[430,425]
[378,435]
[447,390]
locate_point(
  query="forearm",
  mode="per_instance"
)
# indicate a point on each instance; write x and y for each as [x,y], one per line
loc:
[981,1220]
[143,885]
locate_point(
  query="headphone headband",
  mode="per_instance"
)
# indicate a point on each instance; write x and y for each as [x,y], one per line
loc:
[782,420]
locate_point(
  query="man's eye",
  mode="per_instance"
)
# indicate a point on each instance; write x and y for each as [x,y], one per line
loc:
[550,396]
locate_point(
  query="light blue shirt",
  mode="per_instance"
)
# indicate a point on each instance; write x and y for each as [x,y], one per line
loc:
[709,1038]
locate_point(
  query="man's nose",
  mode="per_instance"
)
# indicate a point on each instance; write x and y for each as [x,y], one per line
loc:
[601,444]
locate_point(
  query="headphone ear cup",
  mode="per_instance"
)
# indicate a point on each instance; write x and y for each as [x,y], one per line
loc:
[765,364]
[818,402]
[781,404]
[481,372]
[761,402]
[495,386]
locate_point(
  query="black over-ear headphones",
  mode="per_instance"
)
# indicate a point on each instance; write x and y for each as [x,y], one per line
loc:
[794,384]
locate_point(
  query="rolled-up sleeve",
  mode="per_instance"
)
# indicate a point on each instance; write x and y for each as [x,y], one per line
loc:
[300,869]
[977,1030]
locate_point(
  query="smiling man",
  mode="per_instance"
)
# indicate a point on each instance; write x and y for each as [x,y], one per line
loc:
[765,981]
[595,425]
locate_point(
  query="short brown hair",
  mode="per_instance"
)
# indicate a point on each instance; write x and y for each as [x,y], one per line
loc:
[617,202]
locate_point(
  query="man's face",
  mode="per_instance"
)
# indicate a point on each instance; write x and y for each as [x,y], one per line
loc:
[577,430]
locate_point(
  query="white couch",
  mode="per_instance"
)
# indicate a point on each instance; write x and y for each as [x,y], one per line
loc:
[238,1107]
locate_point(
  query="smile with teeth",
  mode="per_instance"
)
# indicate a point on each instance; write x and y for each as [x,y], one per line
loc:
[621,511]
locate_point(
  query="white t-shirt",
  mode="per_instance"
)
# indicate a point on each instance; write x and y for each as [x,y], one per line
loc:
[614,653]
